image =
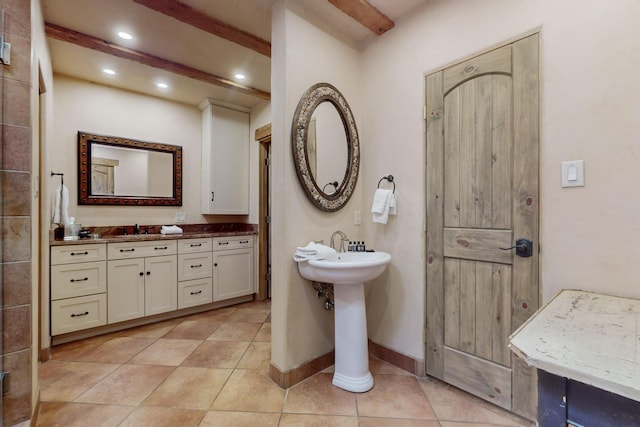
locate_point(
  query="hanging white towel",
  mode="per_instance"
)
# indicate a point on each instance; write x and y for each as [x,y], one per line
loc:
[61,205]
[313,251]
[384,204]
[170,229]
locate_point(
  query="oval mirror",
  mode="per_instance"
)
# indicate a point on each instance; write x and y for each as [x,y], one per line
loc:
[326,149]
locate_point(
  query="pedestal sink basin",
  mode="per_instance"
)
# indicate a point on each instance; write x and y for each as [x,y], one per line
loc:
[348,271]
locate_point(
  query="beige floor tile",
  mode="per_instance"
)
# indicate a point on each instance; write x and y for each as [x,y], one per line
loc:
[218,315]
[127,385]
[163,417]
[153,330]
[255,315]
[257,356]
[377,366]
[395,396]
[193,330]
[217,354]
[395,422]
[249,390]
[452,404]
[236,331]
[47,370]
[73,379]
[72,350]
[116,350]
[190,388]
[166,352]
[299,420]
[240,419]
[466,424]
[316,395]
[58,414]
[264,334]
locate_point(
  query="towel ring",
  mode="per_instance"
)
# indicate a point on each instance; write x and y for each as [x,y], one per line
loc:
[390,179]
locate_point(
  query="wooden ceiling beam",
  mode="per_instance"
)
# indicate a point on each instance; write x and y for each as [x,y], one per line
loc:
[90,42]
[366,14]
[195,18]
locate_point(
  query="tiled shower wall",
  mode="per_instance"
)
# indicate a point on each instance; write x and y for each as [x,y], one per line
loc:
[15,215]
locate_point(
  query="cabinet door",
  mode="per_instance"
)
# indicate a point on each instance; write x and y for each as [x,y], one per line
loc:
[225,161]
[232,273]
[161,285]
[125,289]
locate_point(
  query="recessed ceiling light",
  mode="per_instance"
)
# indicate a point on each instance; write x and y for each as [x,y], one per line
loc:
[125,35]
[108,71]
[162,85]
[240,76]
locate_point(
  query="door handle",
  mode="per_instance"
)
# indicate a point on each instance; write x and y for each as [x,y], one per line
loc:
[523,247]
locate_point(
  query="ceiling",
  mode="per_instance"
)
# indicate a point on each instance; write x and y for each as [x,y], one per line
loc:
[194,63]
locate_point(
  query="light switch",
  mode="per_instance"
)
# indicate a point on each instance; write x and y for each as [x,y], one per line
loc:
[573,173]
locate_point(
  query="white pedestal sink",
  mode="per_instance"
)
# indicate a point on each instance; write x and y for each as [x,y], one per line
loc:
[348,271]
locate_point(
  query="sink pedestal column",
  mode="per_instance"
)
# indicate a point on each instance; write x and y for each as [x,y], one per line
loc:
[352,355]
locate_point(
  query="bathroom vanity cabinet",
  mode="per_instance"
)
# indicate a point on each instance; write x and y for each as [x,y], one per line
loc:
[232,267]
[225,160]
[106,284]
[142,279]
[195,271]
[78,287]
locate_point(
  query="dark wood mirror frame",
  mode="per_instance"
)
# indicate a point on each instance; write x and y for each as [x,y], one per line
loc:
[85,197]
[316,94]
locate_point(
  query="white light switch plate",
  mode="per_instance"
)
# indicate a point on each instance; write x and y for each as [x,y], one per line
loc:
[181,216]
[573,173]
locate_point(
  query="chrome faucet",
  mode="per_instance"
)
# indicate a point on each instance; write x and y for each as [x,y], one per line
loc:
[343,238]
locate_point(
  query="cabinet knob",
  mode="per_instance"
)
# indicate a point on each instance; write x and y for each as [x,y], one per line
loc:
[215,264]
[148,273]
[141,273]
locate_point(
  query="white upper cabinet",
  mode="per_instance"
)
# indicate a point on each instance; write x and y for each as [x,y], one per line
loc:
[225,160]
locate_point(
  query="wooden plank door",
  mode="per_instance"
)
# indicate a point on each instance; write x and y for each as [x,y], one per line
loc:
[482,195]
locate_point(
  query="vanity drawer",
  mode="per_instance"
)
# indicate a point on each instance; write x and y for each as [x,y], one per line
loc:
[195,292]
[235,242]
[127,250]
[188,246]
[195,266]
[74,314]
[78,253]
[74,280]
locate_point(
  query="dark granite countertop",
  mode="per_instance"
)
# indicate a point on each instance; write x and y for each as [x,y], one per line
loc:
[114,234]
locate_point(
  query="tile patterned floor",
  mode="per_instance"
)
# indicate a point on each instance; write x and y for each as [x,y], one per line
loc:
[212,369]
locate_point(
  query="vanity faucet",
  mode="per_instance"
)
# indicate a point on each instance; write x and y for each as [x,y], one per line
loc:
[343,238]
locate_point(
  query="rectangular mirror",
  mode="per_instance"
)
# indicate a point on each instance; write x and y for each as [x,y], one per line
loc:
[123,171]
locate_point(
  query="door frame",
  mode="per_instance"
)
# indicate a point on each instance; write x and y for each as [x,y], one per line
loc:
[263,136]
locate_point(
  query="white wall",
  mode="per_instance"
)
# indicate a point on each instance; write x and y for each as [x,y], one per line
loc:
[590,110]
[84,106]
[302,55]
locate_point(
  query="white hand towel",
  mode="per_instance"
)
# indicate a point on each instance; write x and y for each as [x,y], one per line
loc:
[313,251]
[384,204]
[61,205]
[170,229]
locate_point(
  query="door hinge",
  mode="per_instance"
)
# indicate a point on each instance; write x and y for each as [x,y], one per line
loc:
[268,219]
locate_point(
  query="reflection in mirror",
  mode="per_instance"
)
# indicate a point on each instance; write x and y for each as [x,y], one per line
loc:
[121,171]
[130,172]
[325,145]
[327,148]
